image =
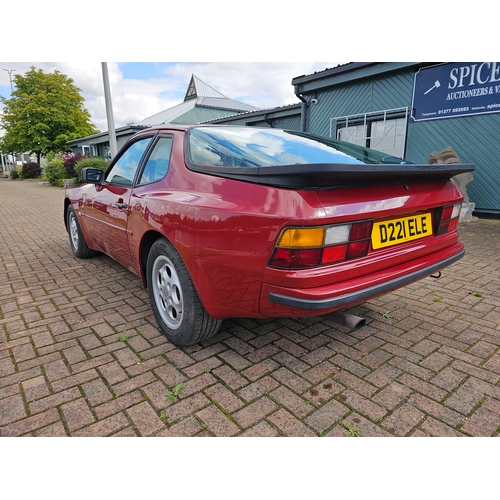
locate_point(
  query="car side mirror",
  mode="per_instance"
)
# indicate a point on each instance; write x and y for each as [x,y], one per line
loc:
[92,175]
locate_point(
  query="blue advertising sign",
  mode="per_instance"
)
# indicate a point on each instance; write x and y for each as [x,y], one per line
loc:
[456,89]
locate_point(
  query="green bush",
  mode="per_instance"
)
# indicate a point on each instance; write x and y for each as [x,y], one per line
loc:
[55,172]
[99,163]
[14,174]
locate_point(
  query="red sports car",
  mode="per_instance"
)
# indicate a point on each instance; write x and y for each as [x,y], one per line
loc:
[225,221]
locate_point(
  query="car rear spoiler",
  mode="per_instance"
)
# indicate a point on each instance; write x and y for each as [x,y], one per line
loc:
[324,176]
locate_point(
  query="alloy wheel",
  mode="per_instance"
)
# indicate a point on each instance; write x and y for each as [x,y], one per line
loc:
[167,292]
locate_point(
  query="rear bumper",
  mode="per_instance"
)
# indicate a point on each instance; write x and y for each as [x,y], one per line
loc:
[340,295]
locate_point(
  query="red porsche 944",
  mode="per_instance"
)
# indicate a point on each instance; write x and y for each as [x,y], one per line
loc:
[227,221]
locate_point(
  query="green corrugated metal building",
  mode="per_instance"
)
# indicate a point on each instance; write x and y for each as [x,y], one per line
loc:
[406,109]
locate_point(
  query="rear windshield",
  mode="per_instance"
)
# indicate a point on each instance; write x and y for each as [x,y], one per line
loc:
[254,147]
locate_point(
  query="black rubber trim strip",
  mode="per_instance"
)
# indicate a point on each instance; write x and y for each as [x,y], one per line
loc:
[342,300]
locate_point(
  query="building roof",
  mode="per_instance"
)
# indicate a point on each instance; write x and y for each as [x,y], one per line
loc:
[198,88]
[344,73]
[201,102]
[262,114]
[103,137]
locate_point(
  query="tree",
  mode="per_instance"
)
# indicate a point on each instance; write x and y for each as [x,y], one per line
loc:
[44,112]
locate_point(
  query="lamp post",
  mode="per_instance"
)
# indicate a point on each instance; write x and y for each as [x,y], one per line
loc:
[10,71]
[109,110]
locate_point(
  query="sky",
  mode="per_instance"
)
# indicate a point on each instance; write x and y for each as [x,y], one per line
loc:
[141,89]
[250,55]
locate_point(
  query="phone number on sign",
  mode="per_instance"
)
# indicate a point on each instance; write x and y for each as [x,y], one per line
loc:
[453,110]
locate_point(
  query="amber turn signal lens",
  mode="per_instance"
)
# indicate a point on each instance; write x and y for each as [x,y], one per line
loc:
[302,237]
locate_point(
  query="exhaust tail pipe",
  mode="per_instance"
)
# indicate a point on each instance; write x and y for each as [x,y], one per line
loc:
[345,319]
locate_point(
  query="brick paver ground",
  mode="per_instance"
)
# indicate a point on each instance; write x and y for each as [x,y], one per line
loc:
[81,355]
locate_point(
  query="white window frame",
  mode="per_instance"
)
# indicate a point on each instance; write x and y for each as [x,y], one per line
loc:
[361,122]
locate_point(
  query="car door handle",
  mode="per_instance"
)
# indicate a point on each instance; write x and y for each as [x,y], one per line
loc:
[120,205]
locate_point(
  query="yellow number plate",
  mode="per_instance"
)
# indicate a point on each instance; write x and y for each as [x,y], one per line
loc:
[392,232]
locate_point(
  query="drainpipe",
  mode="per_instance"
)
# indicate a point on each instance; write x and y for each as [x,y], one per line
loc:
[303,110]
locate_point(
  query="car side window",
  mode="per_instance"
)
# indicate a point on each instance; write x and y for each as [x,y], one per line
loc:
[158,161]
[123,171]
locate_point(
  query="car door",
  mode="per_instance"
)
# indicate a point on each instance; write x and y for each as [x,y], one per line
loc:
[109,207]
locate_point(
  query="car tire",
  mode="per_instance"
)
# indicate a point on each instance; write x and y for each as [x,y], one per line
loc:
[76,239]
[174,300]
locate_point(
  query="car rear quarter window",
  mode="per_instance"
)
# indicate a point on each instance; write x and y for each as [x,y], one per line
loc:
[158,162]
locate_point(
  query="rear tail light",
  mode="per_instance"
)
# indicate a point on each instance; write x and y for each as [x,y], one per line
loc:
[299,248]
[449,219]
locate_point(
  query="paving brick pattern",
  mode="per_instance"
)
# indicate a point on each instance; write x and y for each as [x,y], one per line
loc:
[81,355]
